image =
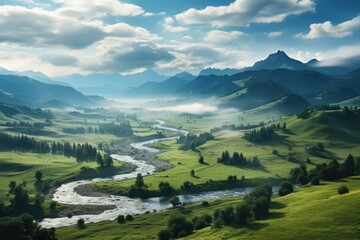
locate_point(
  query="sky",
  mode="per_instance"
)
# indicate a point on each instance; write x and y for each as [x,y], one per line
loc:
[63,37]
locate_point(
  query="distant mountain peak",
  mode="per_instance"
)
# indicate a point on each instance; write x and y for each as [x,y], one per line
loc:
[279,60]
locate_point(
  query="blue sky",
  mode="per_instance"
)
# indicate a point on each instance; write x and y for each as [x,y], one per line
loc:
[61,37]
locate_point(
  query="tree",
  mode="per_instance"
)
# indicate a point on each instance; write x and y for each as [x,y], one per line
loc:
[139,181]
[166,189]
[178,226]
[99,159]
[39,199]
[81,223]
[21,198]
[348,167]
[129,217]
[38,176]
[192,172]
[53,206]
[201,160]
[164,234]
[242,213]
[12,186]
[343,189]
[121,219]
[285,188]
[175,201]
[108,161]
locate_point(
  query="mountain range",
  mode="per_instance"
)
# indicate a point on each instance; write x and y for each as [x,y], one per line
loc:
[277,81]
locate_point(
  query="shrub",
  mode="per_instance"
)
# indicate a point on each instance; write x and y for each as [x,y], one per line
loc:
[315,181]
[121,219]
[129,217]
[343,189]
[80,223]
[164,234]
[205,204]
[285,188]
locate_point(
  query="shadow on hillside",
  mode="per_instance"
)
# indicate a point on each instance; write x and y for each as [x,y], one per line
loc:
[277,205]
[256,226]
[274,215]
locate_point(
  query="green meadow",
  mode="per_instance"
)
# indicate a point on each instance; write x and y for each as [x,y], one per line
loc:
[312,212]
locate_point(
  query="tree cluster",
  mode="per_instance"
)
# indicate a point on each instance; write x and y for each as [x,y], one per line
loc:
[24,227]
[256,205]
[327,172]
[23,143]
[232,127]
[191,141]
[178,227]
[264,133]
[238,159]
[306,112]
[122,129]
[139,189]
[316,150]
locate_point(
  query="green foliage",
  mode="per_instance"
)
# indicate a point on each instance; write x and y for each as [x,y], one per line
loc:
[343,189]
[80,223]
[285,188]
[166,189]
[164,234]
[121,219]
[178,226]
[175,201]
[264,133]
[192,141]
[201,160]
[129,217]
[24,227]
[38,176]
[122,129]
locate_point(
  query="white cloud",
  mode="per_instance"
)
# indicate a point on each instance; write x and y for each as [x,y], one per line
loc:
[244,12]
[327,29]
[168,25]
[217,36]
[97,8]
[274,34]
[342,56]
[38,28]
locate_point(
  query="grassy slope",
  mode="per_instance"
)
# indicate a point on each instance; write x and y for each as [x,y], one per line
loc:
[315,212]
[329,128]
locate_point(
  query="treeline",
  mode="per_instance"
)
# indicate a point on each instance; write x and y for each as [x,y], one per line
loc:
[255,206]
[82,152]
[306,112]
[191,141]
[232,127]
[23,143]
[238,159]
[328,172]
[264,133]
[122,129]
[25,124]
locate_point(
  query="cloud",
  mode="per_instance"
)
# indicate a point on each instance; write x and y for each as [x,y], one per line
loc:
[60,60]
[347,55]
[135,56]
[193,108]
[243,12]
[168,25]
[86,9]
[217,36]
[274,34]
[39,28]
[327,29]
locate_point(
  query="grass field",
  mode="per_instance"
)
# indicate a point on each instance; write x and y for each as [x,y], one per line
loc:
[338,137]
[314,212]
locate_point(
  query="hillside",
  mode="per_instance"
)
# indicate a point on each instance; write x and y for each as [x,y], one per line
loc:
[28,92]
[335,126]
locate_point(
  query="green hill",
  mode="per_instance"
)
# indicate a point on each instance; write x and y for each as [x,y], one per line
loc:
[333,126]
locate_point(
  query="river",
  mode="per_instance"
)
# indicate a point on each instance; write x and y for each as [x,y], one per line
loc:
[124,205]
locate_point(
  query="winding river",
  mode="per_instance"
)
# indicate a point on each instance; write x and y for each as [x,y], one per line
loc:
[124,205]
